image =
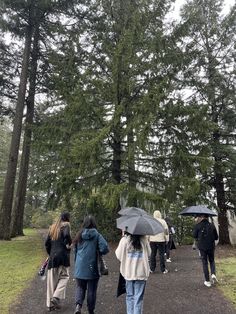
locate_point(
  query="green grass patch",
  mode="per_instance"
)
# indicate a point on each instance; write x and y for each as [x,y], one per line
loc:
[20,259]
[226,270]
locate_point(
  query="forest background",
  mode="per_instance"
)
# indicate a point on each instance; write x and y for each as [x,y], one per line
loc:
[106,104]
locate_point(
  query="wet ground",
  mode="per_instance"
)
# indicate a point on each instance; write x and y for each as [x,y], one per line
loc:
[180,291]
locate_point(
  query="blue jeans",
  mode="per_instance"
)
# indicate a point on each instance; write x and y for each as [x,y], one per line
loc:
[134,296]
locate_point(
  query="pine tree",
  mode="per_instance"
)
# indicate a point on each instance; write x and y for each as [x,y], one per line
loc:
[209,48]
[6,205]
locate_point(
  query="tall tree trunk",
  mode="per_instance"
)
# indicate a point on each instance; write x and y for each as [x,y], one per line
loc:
[220,196]
[116,162]
[132,198]
[117,132]
[218,174]
[19,204]
[7,200]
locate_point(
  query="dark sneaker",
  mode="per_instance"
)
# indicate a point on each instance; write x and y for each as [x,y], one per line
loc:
[78,309]
[56,303]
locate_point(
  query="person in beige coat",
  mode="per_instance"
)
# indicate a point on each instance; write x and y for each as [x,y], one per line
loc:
[158,243]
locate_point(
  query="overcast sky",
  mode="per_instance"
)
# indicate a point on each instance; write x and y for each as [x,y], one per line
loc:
[228,4]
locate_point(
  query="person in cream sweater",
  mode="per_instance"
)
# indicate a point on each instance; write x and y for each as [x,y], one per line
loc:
[133,253]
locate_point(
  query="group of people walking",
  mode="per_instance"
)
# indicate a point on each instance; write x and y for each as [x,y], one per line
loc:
[136,253]
[87,244]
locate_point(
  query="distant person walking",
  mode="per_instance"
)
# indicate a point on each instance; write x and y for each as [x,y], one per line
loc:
[170,244]
[88,243]
[133,252]
[158,243]
[58,248]
[205,234]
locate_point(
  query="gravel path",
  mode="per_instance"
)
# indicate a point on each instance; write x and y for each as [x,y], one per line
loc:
[181,291]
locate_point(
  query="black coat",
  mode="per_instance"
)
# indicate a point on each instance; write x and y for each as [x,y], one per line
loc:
[205,233]
[59,254]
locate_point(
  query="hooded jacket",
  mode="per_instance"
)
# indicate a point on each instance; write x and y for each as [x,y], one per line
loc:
[86,253]
[163,236]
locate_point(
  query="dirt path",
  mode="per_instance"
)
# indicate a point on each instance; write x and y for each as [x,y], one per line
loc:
[181,291]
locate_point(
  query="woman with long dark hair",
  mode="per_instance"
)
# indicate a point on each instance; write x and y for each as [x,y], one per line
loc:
[133,252]
[88,243]
[58,248]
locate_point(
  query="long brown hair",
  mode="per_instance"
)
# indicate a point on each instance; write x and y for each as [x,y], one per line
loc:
[55,228]
[89,223]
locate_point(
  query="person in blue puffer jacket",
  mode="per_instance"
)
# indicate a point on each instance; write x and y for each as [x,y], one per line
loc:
[87,244]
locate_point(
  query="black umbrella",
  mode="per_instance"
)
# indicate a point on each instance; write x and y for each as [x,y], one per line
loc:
[139,224]
[132,211]
[197,210]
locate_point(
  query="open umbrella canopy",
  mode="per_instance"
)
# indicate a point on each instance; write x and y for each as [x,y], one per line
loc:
[139,224]
[132,211]
[197,210]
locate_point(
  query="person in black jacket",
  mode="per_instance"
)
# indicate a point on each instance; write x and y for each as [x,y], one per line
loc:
[170,245]
[57,245]
[205,233]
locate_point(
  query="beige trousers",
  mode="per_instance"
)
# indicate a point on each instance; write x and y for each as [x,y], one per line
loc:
[57,279]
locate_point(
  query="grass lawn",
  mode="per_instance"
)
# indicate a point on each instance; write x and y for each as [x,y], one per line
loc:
[20,259]
[226,273]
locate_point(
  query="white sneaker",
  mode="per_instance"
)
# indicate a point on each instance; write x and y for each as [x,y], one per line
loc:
[207,284]
[165,271]
[168,260]
[213,278]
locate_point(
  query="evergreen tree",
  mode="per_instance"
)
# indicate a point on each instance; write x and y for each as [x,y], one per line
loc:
[7,199]
[121,64]
[210,51]
[25,19]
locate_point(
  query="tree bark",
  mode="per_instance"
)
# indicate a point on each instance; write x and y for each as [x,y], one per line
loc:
[8,192]
[220,196]
[218,173]
[19,204]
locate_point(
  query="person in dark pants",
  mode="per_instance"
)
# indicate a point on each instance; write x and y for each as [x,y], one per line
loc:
[170,245]
[205,233]
[58,248]
[158,243]
[87,244]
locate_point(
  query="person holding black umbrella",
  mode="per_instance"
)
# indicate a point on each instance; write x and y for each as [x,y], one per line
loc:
[205,233]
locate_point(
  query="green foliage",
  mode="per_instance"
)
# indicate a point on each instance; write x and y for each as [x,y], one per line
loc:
[133,106]
[42,219]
